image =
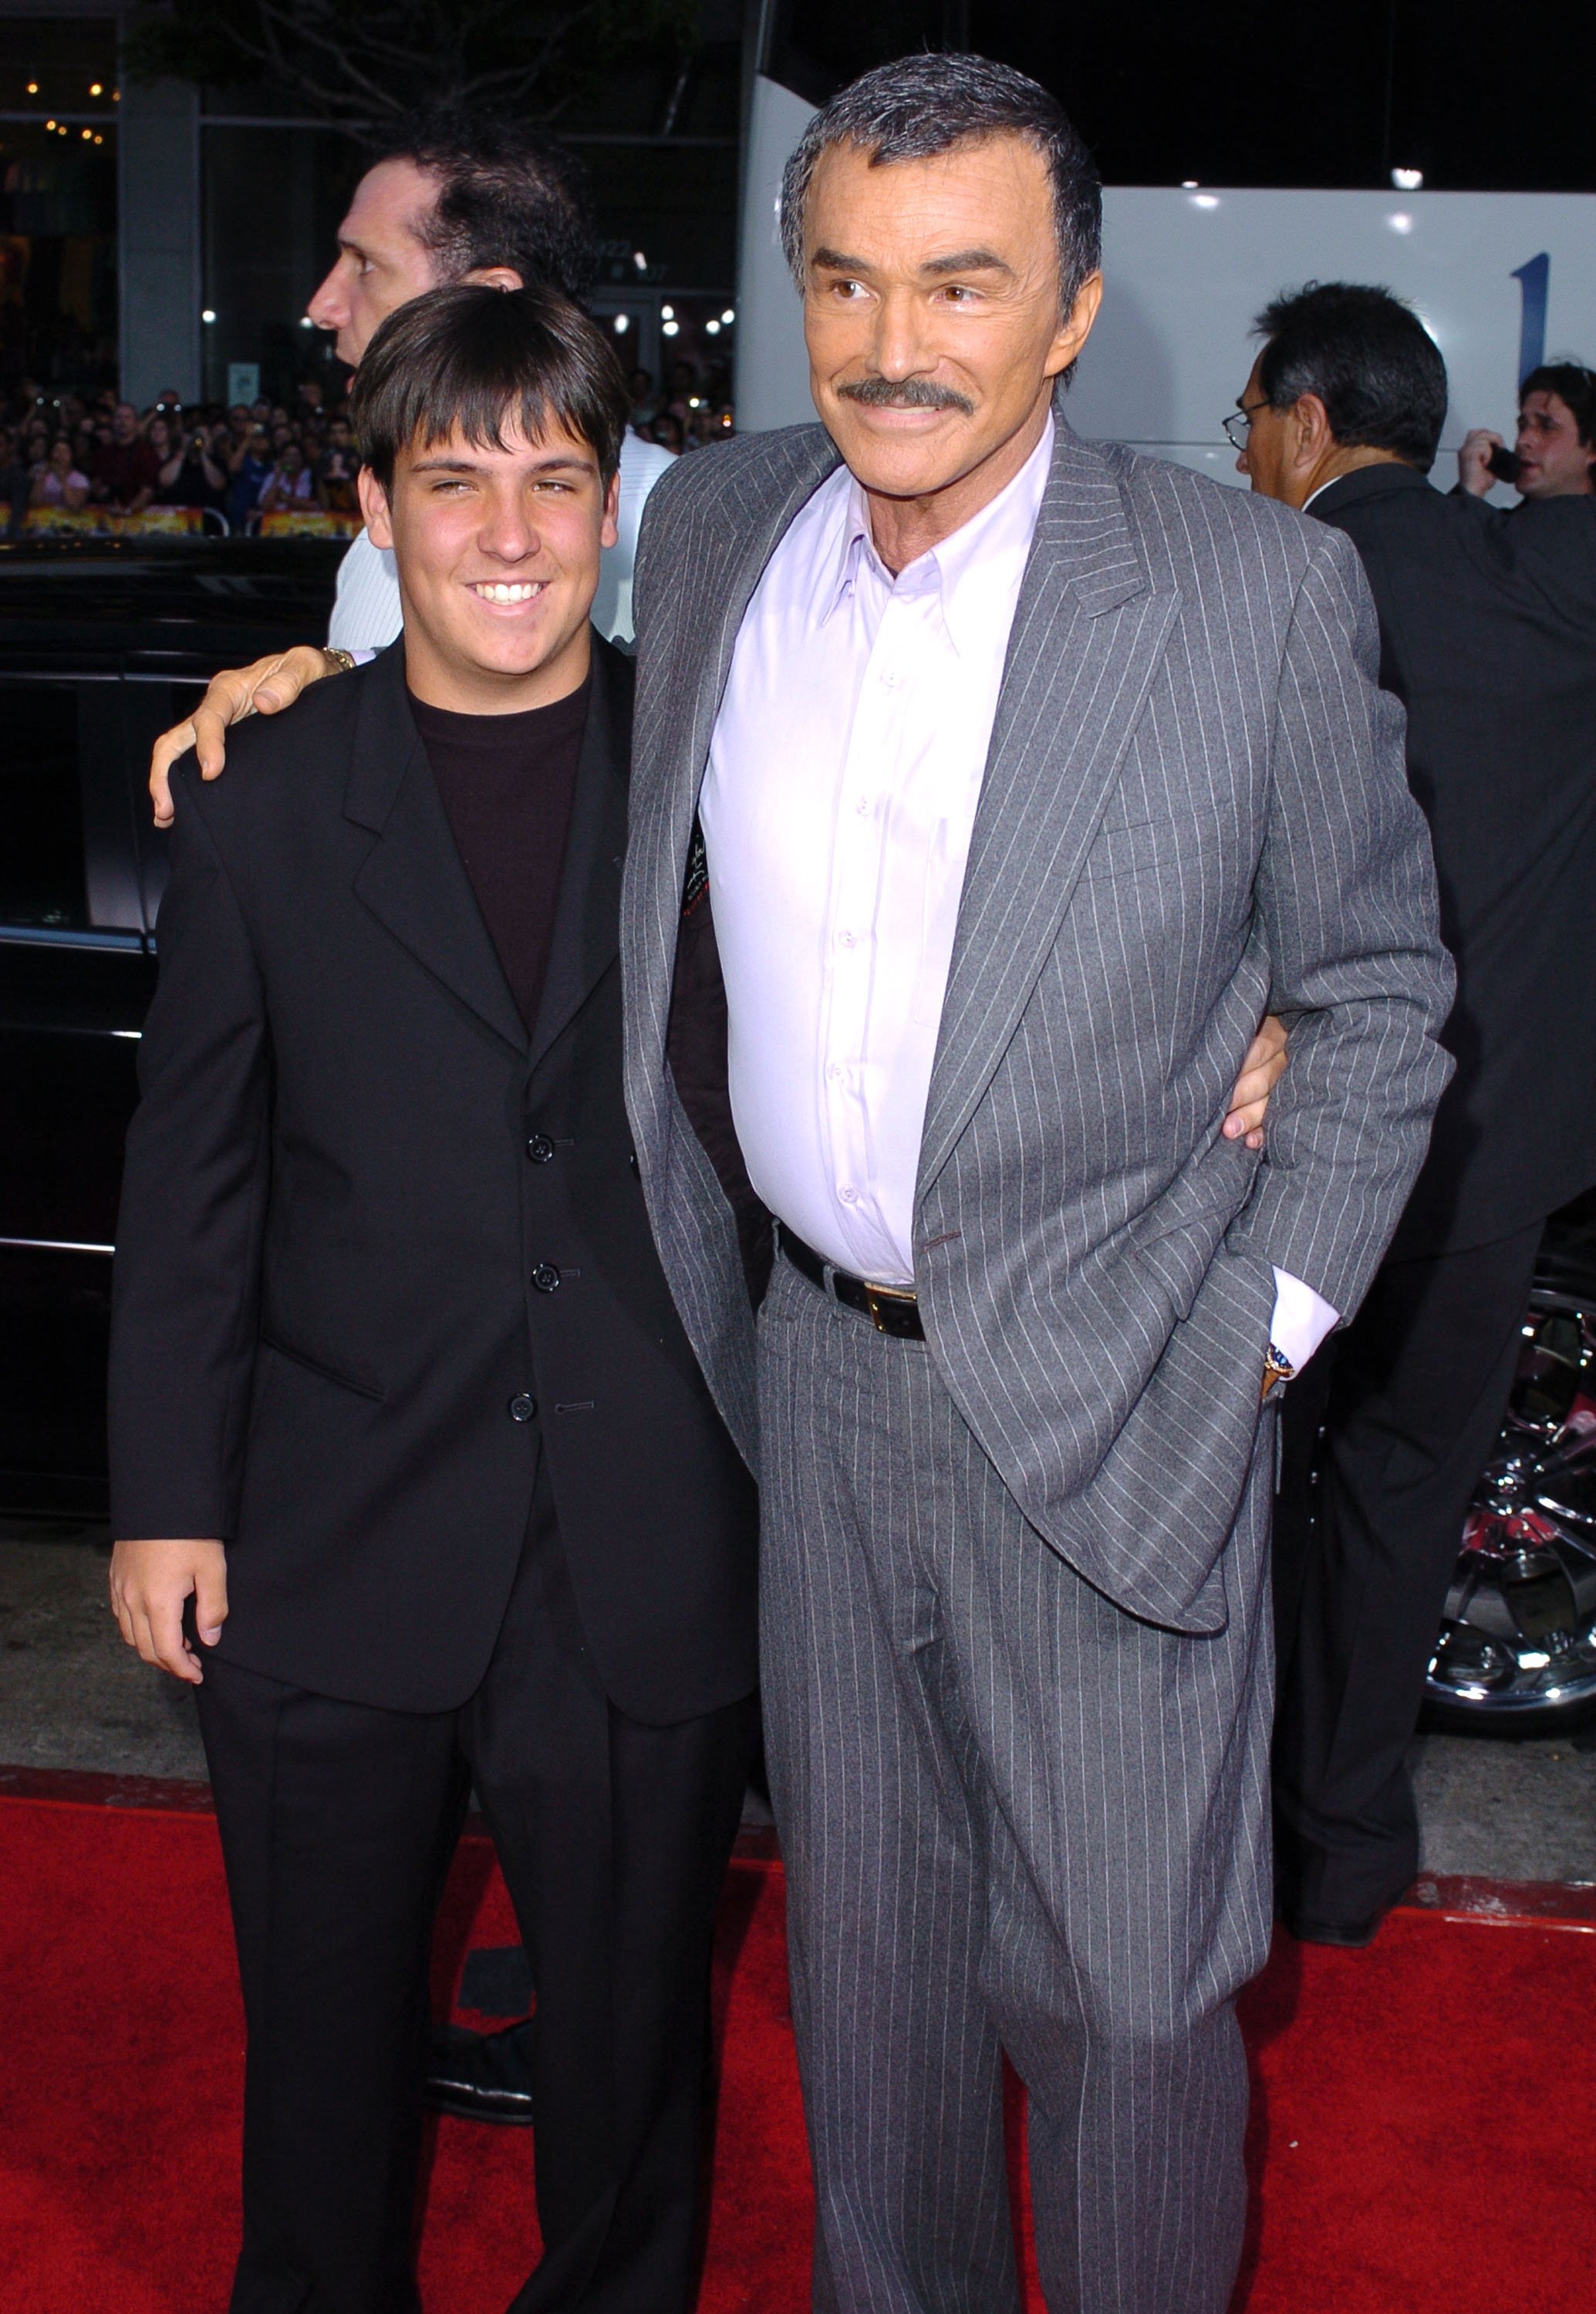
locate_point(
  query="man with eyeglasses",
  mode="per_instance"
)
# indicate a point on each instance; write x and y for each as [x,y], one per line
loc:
[1487,627]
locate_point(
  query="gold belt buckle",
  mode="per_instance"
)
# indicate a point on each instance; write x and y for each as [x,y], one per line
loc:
[876,1295]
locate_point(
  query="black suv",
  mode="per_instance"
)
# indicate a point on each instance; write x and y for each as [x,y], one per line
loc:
[103,645]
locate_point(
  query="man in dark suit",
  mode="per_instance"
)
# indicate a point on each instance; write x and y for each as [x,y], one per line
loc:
[1488,636]
[398,1396]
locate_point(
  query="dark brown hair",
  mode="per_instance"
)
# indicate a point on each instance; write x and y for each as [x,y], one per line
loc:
[474,358]
[507,194]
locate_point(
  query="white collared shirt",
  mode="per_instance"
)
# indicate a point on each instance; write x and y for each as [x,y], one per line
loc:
[837,809]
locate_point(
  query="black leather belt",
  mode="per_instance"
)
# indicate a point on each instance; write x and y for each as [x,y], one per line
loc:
[893,1309]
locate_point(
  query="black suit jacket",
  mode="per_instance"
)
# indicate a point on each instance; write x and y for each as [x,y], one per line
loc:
[365,1220]
[1487,628]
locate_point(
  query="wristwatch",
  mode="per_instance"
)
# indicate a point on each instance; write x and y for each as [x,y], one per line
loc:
[1277,1367]
[339,662]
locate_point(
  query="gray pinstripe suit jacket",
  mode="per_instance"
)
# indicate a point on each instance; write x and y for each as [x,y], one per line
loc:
[1193,810]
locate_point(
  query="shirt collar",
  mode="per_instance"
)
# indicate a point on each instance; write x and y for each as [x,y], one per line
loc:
[960,570]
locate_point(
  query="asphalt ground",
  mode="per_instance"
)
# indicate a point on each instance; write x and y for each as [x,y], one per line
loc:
[72,1696]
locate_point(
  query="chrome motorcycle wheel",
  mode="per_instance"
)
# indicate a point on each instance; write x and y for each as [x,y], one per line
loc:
[1517,1651]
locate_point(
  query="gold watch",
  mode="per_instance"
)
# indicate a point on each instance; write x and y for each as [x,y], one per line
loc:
[339,662]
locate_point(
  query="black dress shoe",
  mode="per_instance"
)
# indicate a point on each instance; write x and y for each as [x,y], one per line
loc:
[1354,1935]
[481,2076]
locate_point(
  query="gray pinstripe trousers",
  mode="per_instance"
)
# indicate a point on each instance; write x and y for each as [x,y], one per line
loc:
[1014,1818]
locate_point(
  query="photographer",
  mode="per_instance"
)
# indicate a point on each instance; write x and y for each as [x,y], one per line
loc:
[291,487]
[1341,418]
[248,468]
[1556,450]
[191,476]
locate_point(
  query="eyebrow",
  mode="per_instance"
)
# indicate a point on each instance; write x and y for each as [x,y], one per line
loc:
[963,261]
[556,464]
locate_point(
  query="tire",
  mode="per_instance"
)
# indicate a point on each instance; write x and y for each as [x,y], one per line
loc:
[1517,1650]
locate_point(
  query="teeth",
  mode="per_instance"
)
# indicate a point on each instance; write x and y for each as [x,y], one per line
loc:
[500,591]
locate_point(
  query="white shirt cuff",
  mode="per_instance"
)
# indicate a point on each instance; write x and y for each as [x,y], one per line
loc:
[1302,1320]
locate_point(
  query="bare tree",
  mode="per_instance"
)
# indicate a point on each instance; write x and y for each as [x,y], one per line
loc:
[362,60]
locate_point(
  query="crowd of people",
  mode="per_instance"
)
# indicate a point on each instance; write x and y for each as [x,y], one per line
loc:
[78,451]
[257,457]
[686,412]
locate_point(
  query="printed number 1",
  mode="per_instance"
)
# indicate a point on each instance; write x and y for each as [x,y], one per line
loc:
[1533,279]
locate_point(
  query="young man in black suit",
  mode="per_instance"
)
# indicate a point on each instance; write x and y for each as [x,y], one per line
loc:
[399,1398]
[1488,625]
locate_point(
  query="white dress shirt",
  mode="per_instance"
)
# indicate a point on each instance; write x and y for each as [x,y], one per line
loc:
[837,809]
[366,613]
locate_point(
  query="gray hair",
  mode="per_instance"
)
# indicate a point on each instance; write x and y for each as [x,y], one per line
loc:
[926,104]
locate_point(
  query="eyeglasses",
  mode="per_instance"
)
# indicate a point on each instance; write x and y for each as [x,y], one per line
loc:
[1238,425]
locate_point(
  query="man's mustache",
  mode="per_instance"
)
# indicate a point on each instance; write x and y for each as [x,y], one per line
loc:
[906,393]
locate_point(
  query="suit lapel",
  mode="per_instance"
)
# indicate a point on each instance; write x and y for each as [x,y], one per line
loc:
[1089,629]
[587,935]
[412,879]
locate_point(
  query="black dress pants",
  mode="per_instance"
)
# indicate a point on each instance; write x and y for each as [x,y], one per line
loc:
[1416,1390]
[338,1821]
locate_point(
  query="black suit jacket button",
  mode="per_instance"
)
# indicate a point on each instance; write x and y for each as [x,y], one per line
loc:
[545,1277]
[522,1408]
[539,1148]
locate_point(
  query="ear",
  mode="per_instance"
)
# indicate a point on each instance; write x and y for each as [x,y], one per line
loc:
[1075,331]
[1311,437]
[611,531]
[374,506]
[496,276]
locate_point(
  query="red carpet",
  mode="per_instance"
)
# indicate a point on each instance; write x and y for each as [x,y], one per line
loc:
[1424,2133]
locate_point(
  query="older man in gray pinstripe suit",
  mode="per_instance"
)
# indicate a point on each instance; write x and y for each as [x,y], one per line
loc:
[1025,776]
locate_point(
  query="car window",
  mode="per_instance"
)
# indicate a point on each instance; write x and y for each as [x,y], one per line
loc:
[42,880]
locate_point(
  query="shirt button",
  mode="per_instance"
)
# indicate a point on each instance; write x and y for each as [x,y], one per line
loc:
[848,1193]
[836,1072]
[889,676]
[522,1408]
[539,1148]
[863,806]
[545,1277]
[846,940]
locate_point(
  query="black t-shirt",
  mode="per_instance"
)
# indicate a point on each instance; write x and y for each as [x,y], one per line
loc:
[507,783]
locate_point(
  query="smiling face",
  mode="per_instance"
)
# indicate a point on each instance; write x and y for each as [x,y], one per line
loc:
[497,553]
[1553,462]
[931,317]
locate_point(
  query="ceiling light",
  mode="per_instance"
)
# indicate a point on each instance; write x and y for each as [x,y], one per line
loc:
[49,124]
[32,88]
[305,322]
[1407,181]
[639,261]
[88,135]
[96,88]
[622,324]
[208,314]
[668,312]
[670,329]
[728,317]
[712,328]
[1188,185]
